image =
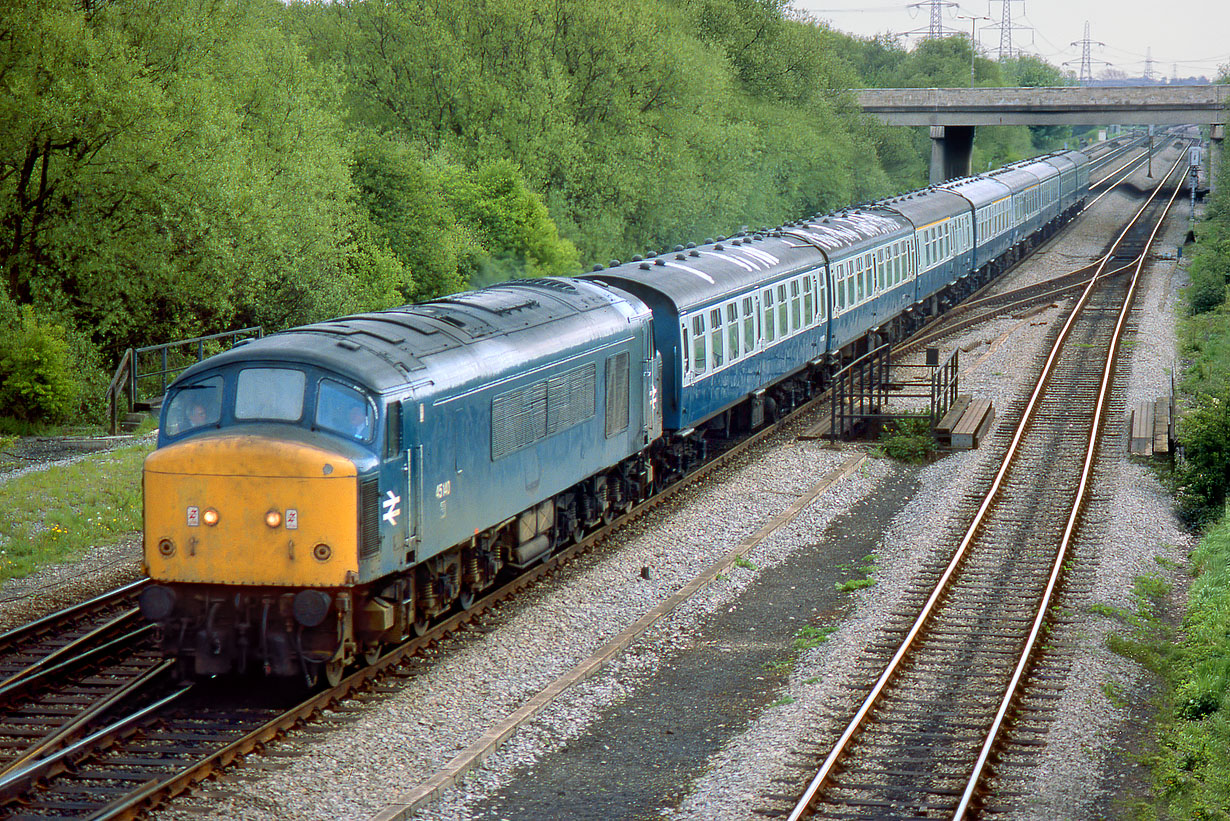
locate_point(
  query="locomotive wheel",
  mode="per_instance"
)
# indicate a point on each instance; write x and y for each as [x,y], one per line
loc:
[421,626]
[334,671]
[467,598]
[370,654]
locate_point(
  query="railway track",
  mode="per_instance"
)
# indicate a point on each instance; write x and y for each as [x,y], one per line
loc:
[61,673]
[946,675]
[988,304]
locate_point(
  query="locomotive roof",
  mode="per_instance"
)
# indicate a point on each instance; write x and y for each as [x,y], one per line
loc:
[384,350]
[694,277]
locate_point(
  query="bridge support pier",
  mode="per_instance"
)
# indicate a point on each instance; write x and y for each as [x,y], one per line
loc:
[952,146]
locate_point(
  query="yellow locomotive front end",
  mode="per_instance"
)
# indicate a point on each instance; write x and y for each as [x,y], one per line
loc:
[253,524]
[245,510]
[252,545]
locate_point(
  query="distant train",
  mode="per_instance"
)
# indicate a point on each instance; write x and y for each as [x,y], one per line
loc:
[328,490]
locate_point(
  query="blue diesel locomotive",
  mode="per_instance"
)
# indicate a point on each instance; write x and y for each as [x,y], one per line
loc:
[327,490]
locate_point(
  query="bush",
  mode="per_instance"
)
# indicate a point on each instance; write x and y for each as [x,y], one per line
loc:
[909,440]
[1201,477]
[1209,270]
[39,377]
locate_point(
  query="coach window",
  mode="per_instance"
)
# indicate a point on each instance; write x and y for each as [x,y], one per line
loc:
[715,336]
[732,331]
[749,324]
[796,306]
[766,304]
[699,350]
[809,300]
[273,394]
[857,298]
[821,307]
[783,311]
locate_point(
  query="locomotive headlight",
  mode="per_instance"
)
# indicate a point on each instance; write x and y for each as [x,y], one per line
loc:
[210,517]
[273,518]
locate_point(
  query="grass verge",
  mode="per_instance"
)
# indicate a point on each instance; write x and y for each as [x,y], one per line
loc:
[1190,764]
[53,515]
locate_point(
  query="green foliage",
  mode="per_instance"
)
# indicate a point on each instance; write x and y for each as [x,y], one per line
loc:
[1201,476]
[1191,772]
[638,123]
[909,440]
[38,380]
[1210,267]
[159,179]
[810,636]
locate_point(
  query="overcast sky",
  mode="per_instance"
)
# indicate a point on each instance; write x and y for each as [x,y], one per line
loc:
[1189,38]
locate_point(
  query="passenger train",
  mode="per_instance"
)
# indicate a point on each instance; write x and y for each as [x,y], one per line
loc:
[328,490]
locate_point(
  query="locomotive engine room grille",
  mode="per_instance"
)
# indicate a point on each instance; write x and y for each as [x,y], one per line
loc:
[522,417]
[616,394]
[369,518]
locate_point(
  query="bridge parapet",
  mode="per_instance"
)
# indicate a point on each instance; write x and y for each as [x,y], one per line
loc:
[1129,105]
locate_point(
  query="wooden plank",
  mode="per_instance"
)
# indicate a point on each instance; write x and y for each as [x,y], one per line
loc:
[949,419]
[973,425]
[1161,425]
[1141,442]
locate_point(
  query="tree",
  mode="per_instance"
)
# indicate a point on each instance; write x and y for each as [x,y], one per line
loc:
[168,168]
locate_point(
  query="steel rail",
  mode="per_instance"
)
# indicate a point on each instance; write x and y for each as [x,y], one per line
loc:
[1078,504]
[22,631]
[78,723]
[74,646]
[932,602]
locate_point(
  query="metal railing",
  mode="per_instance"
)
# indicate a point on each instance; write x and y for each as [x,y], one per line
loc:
[135,371]
[860,389]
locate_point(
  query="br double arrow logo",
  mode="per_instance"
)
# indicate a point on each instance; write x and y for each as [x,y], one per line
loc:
[391,505]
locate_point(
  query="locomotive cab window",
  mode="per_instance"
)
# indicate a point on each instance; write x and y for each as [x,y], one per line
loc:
[342,409]
[195,406]
[270,394]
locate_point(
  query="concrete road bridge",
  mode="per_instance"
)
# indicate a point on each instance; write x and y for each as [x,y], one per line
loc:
[953,113]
